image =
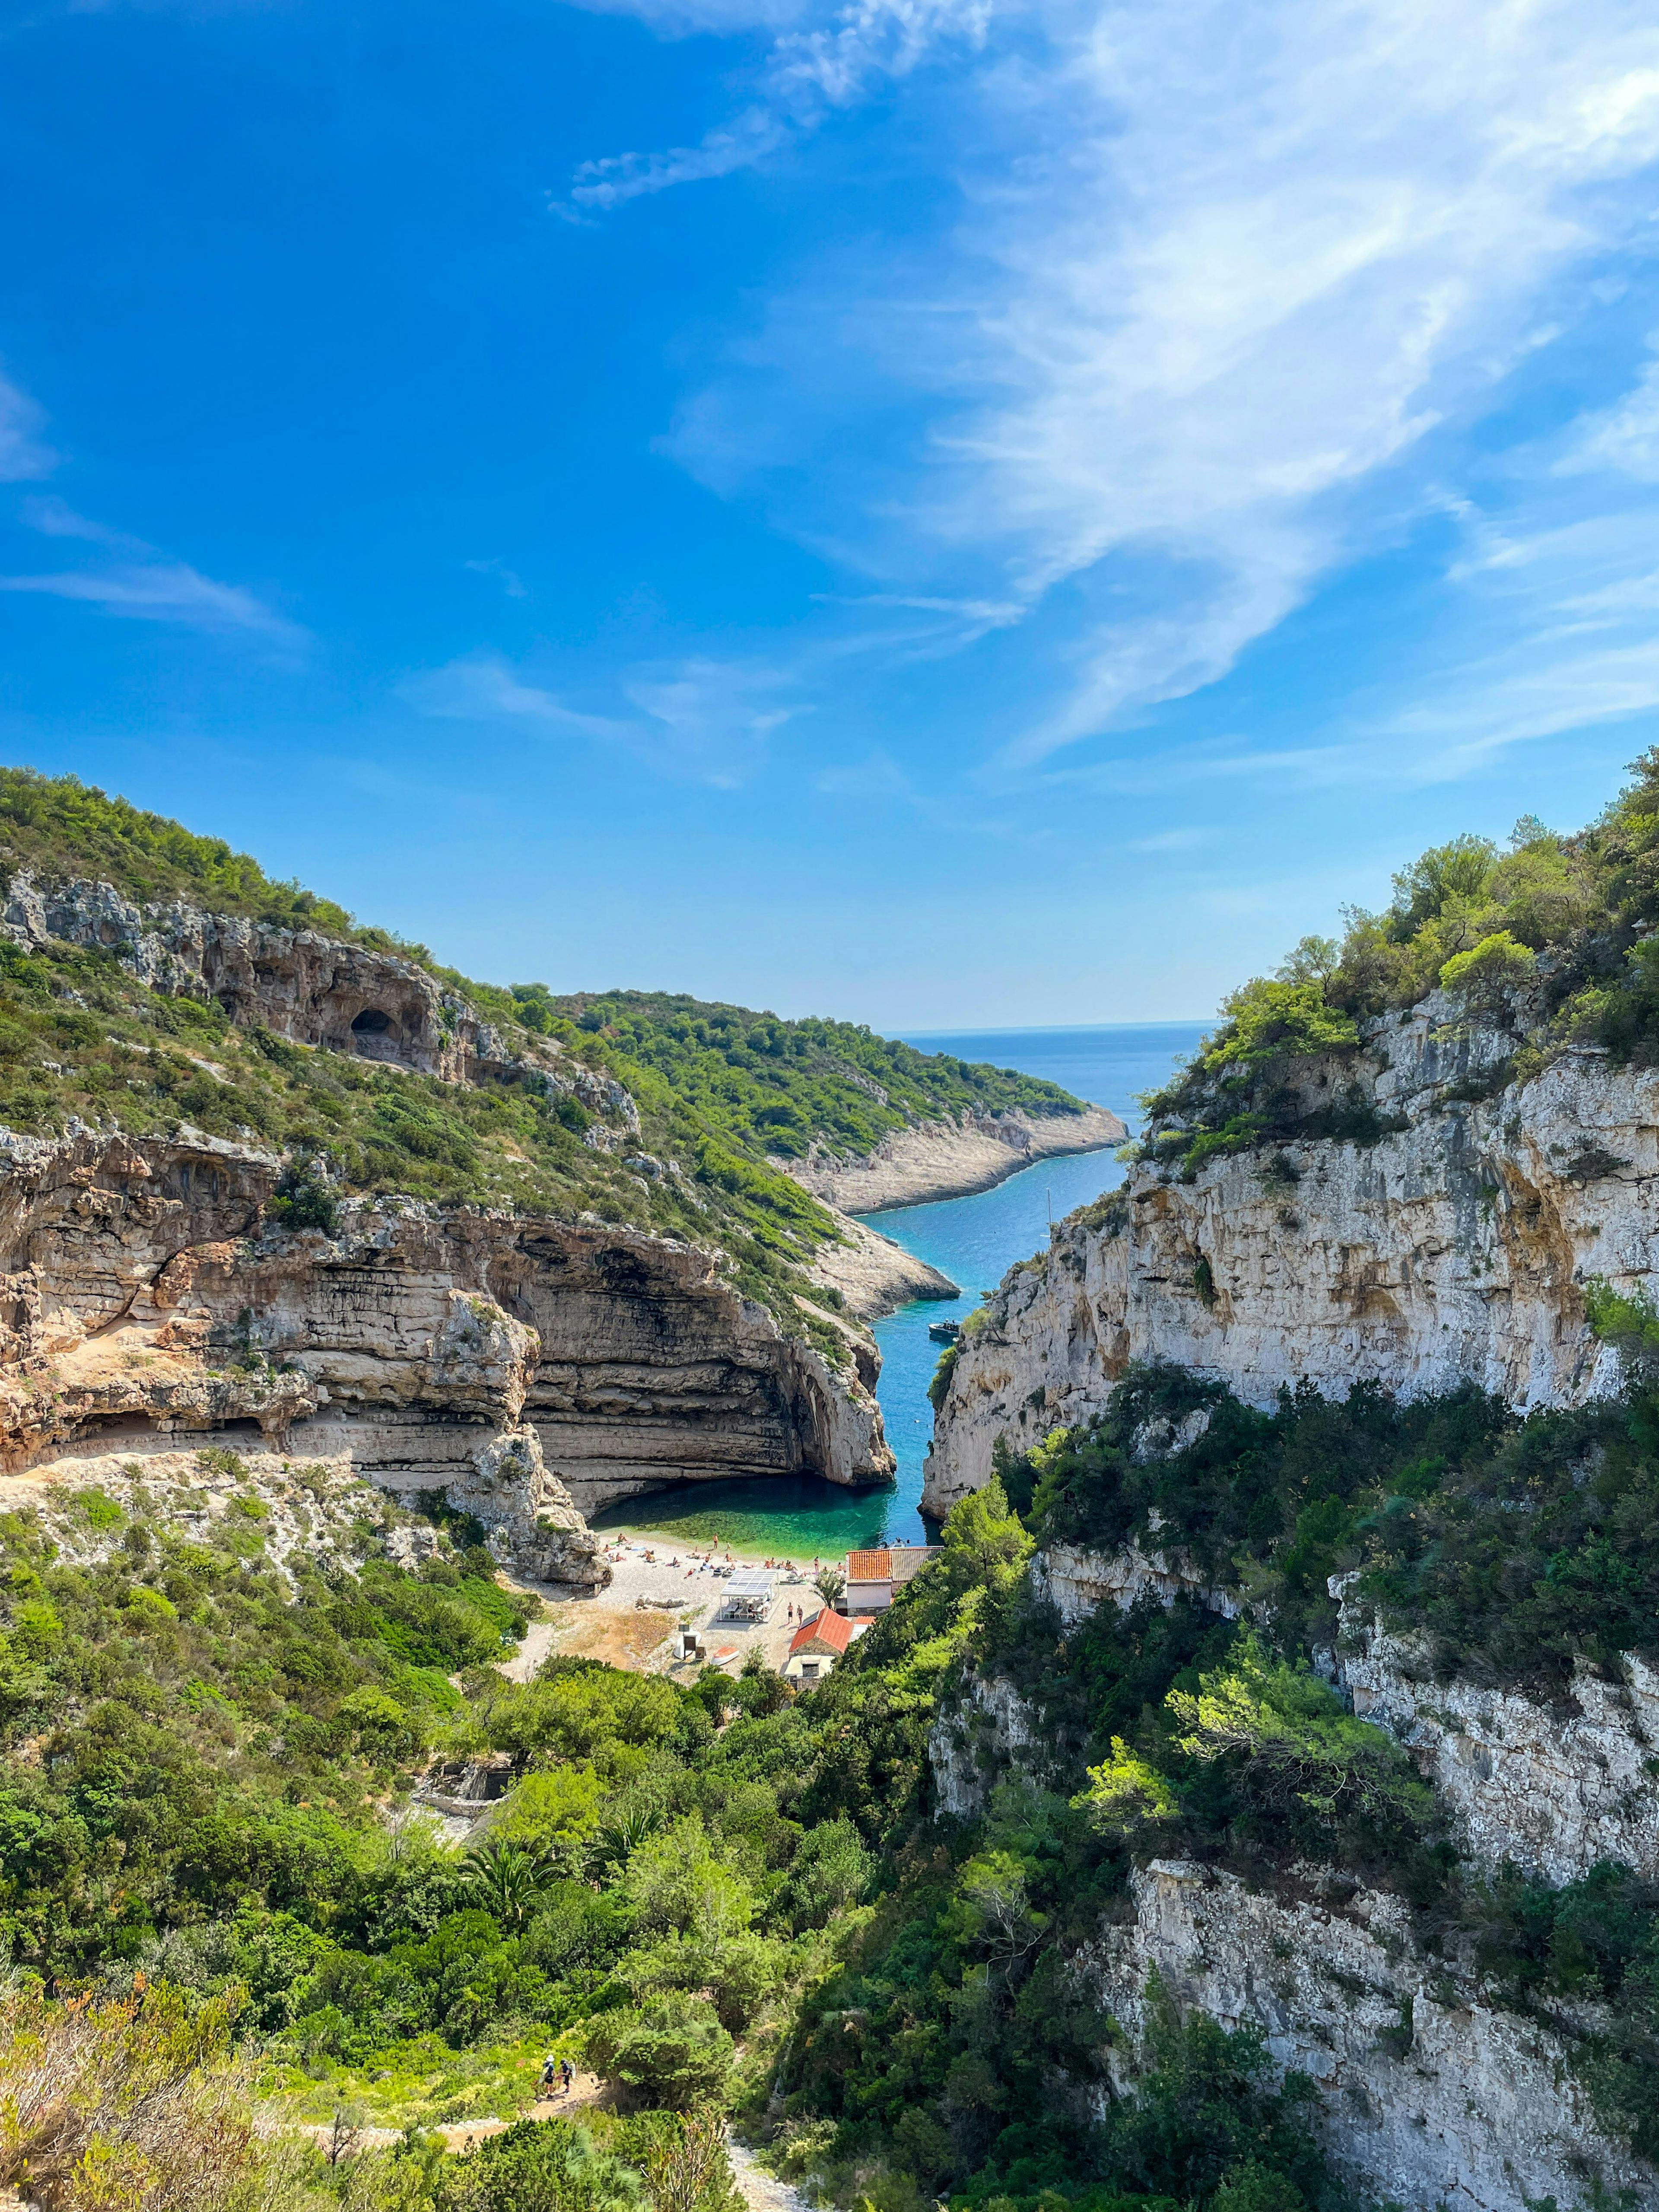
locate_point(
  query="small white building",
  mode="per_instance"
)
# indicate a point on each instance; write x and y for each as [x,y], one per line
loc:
[817,1643]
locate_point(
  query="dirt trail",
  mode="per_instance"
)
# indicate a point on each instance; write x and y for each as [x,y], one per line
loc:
[762,2191]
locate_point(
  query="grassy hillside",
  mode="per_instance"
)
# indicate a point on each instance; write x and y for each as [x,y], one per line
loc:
[722,1090]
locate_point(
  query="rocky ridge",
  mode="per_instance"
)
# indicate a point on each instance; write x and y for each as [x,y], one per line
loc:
[1449,1239]
[302,985]
[533,1369]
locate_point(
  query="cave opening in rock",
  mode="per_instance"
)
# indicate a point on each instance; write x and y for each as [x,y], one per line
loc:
[372,1023]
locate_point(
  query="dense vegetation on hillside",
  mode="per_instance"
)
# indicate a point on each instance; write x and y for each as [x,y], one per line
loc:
[62,829]
[1513,1550]
[783,1084]
[721,1091]
[1550,939]
[696,1889]
[719,1893]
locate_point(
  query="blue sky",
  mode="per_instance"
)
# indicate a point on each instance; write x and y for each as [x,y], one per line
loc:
[942,512]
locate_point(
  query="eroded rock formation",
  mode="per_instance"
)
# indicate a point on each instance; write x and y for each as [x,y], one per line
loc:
[300,984]
[1429,2092]
[1553,1788]
[1428,2095]
[526,1367]
[1454,1245]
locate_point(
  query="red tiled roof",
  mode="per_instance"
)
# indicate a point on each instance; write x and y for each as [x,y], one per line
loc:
[869,1566]
[834,1629]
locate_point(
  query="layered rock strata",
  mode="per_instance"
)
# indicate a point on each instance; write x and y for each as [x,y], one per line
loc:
[526,1368]
[950,1158]
[1452,1246]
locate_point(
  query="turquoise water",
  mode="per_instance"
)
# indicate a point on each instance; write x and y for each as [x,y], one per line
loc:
[973,1240]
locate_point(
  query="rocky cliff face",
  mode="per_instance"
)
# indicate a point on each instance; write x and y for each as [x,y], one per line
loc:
[299,984]
[1428,2096]
[1553,1789]
[526,1368]
[1453,1245]
[1430,2093]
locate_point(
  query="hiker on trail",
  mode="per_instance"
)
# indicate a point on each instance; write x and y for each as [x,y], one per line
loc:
[567,2075]
[549,2069]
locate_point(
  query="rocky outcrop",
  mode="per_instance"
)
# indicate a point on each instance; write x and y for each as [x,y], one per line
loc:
[1454,1245]
[1429,2095]
[1553,1788]
[318,1513]
[299,984]
[985,1731]
[950,1158]
[528,1368]
[875,1276]
[1076,1581]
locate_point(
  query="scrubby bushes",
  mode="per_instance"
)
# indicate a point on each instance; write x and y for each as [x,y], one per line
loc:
[1552,938]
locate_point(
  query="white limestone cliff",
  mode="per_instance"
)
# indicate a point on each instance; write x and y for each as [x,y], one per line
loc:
[1428,2094]
[951,1157]
[1455,1247]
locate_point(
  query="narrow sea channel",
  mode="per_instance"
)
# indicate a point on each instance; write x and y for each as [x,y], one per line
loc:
[975,1241]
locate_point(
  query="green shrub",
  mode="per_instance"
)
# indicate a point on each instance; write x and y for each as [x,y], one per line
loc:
[540,2165]
[672,2052]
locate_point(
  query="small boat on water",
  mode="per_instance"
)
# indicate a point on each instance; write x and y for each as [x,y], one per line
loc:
[944,1332]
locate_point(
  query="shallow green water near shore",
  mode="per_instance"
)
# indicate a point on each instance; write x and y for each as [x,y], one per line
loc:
[796,1516]
[973,1240]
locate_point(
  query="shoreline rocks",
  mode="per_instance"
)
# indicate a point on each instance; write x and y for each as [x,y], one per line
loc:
[950,1158]
[874,1275]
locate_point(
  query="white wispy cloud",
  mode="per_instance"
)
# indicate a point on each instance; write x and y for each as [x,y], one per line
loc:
[142,583]
[607,183]
[483,688]
[162,591]
[1212,292]
[509,579]
[23,455]
[1624,439]
[708,720]
[812,69]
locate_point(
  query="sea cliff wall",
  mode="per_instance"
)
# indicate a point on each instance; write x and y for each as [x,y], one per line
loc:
[528,1368]
[1454,1245]
[1428,2094]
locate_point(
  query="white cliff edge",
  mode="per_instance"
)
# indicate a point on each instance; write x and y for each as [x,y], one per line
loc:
[1454,1247]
